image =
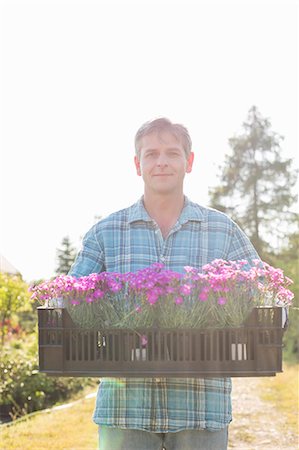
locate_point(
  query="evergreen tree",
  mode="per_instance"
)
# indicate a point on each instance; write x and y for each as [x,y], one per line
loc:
[65,256]
[256,182]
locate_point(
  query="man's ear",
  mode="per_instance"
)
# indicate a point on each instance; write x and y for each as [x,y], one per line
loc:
[137,165]
[190,160]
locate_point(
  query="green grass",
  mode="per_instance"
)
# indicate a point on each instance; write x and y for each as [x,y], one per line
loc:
[282,391]
[66,429]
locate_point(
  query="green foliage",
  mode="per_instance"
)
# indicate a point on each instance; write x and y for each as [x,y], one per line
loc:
[256,182]
[14,298]
[24,388]
[65,256]
[288,260]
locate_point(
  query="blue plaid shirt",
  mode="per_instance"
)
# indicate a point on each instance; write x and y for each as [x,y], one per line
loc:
[129,240]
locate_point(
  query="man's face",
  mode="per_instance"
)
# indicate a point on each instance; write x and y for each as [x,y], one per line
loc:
[162,163]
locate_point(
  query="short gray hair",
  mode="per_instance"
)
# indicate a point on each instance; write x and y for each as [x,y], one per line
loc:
[163,124]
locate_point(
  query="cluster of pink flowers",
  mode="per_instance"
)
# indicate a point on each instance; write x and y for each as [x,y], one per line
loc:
[219,280]
[259,281]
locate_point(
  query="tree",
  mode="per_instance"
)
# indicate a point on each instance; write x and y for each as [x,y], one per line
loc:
[65,256]
[256,182]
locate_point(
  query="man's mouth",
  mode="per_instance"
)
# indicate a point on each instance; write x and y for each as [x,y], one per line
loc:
[162,175]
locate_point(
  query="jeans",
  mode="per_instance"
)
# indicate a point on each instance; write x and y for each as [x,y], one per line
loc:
[127,439]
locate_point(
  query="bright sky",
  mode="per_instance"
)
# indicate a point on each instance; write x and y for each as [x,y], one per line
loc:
[80,77]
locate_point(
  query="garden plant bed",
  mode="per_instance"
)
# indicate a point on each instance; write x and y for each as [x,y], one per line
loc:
[252,350]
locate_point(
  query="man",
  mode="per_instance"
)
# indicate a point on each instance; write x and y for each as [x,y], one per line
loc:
[163,226]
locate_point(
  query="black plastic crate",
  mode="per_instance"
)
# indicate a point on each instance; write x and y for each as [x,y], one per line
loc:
[252,350]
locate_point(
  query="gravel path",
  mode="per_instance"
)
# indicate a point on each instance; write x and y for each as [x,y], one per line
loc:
[256,424]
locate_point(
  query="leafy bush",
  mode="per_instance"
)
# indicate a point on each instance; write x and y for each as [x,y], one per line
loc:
[26,389]
[14,298]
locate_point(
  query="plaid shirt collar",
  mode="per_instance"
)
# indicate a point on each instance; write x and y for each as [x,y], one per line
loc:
[189,213]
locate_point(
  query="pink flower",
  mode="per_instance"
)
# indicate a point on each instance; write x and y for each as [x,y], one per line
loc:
[221,301]
[185,289]
[98,293]
[152,297]
[204,294]
[144,340]
[75,302]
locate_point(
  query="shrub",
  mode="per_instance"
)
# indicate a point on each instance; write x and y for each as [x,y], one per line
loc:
[14,298]
[24,388]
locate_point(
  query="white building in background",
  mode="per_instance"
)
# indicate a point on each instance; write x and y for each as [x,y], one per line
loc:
[7,267]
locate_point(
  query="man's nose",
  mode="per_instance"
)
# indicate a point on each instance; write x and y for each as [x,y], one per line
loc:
[162,160]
